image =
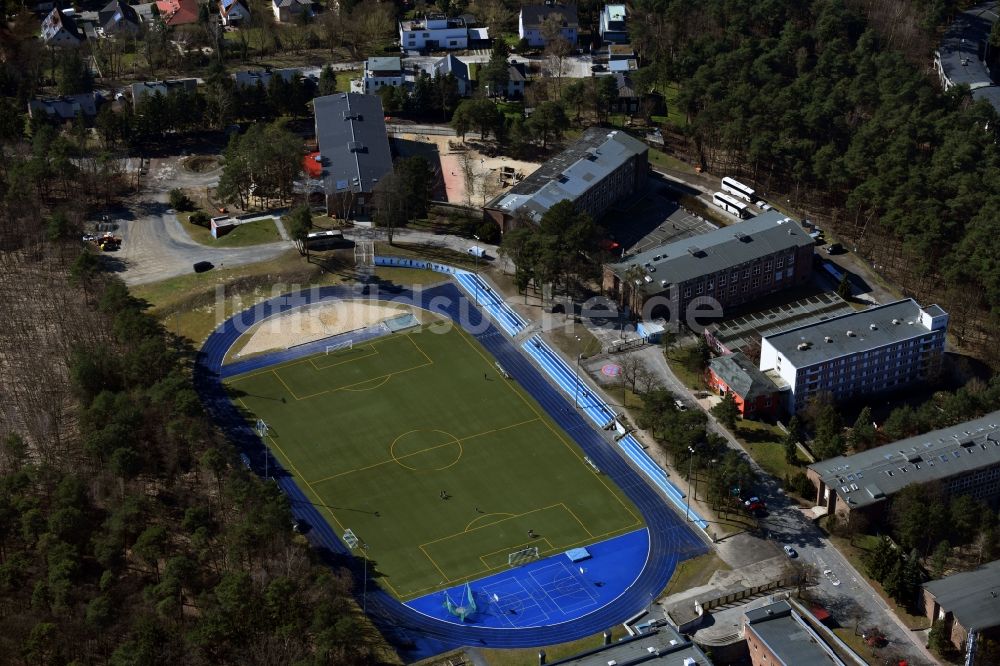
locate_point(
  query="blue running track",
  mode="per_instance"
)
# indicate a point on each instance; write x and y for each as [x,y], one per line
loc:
[414,633]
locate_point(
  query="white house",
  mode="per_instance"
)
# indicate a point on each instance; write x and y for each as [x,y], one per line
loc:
[59,29]
[233,12]
[380,72]
[286,11]
[435,31]
[452,65]
[612,24]
[533,17]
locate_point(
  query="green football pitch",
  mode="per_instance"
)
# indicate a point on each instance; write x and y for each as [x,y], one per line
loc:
[417,444]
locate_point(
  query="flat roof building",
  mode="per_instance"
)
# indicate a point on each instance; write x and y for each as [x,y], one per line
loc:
[969,605]
[732,265]
[354,151]
[965,458]
[778,636]
[597,170]
[755,394]
[961,57]
[662,646]
[883,348]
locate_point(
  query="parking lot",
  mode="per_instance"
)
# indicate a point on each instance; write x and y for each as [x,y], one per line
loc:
[653,220]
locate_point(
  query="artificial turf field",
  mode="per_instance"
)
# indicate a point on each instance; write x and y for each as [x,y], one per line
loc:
[376,433]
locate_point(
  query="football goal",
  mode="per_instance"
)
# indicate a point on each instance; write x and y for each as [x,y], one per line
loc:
[340,346]
[522,556]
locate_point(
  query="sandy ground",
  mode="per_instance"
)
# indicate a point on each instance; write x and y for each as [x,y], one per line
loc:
[315,323]
[484,172]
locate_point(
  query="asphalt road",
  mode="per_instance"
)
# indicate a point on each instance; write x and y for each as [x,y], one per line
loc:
[154,244]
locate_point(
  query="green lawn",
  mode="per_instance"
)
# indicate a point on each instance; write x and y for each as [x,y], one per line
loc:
[253,233]
[376,433]
[764,444]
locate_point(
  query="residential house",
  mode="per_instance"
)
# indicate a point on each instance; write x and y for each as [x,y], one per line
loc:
[164,88]
[731,266]
[286,11]
[452,65]
[178,12]
[65,107]
[233,12]
[382,71]
[532,18]
[516,78]
[964,459]
[968,604]
[435,31]
[883,348]
[119,18]
[250,78]
[596,171]
[354,151]
[611,24]
[628,99]
[755,394]
[60,29]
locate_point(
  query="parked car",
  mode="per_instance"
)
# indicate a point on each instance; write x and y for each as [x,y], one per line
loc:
[202,266]
[755,504]
[832,577]
[834,248]
[681,407]
[790,552]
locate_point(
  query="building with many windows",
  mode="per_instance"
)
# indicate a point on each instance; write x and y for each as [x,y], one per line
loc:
[883,348]
[777,635]
[965,459]
[968,604]
[435,31]
[597,170]
[732,266]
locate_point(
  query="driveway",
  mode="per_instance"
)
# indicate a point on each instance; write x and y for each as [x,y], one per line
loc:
[154,244]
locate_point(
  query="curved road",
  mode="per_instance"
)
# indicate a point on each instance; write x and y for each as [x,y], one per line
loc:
[156,247]
[417,635]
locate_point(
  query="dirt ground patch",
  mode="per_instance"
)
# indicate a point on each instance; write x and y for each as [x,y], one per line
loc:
[201,163]
[470,177]
[315,323]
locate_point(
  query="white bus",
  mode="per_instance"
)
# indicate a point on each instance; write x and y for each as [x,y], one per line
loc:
[731,205]
[738,189]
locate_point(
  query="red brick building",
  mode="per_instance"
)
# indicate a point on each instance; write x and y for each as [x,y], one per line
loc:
[755,394]
[969,605]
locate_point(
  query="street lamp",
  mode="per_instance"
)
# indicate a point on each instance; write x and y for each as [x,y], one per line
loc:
[690,460]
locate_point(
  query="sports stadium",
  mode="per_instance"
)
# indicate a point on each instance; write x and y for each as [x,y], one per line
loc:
[481,492]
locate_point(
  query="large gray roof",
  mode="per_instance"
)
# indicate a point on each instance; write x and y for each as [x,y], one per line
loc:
[384,64]
[717,250]
[852,333]
[973,597]
[533,15]
[742,376]
[251,78]
[748,328]
[67,106]
[962,46]
[662,646]
[788,637]
[350,129]
[140,90]
[591,158]
[871,476]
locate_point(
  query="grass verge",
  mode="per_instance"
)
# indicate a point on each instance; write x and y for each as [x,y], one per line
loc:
[694,572]
[682,361]
[552,652]
[764,443]
[253,233]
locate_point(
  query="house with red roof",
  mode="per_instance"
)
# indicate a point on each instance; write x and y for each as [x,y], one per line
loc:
[178,12]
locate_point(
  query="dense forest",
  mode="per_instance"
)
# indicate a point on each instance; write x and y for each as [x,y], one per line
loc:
[833,106]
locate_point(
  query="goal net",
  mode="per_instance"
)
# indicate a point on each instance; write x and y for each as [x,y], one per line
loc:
[466,605]
[339,347]
[522,556]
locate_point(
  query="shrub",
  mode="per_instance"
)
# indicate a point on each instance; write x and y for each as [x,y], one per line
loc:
[179,200]
[201,219]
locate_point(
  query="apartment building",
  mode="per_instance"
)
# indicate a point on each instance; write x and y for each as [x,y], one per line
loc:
[964,458]
[732,265]
[597,170]
[968,604]
[435,31]
[776,635]
[883,348]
